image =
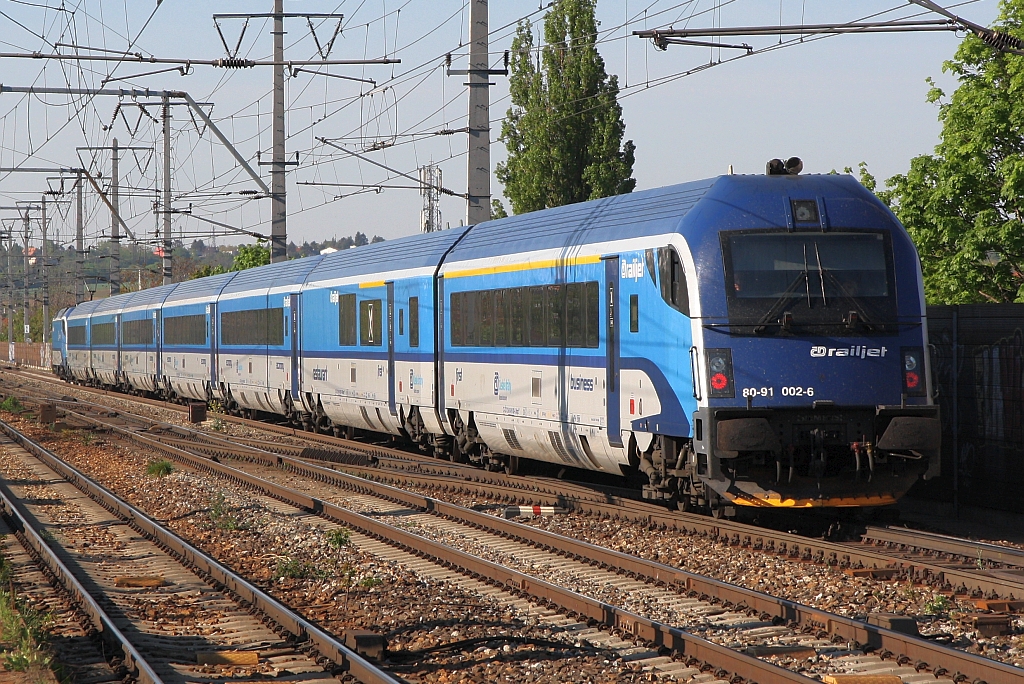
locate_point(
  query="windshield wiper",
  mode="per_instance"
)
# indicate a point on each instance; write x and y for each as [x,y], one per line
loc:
[821,274]
[784,298]
[857,304]
[807,278]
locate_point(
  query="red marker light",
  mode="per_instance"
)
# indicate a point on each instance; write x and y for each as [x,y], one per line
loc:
[912,380]
[719,381]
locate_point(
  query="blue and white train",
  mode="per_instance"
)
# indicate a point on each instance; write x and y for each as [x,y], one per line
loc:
[738,341]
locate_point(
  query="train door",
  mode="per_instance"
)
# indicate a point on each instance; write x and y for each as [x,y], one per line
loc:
[611,287]
[294,317]
[391,347]
[159,332]
[117,341]
[214,346]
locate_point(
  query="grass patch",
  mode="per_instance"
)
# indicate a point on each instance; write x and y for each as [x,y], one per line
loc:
[23,629]
[294,568]
[339,538]
[159,468]
[222,515]
[370,582]
[217,425]
[87,437]
[11,405]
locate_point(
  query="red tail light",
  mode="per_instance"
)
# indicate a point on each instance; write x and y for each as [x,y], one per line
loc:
[913,372]
[720,377]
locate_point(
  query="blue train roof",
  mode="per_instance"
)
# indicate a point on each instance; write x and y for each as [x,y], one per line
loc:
[209,286]
[273,275]
[84,309]
[648,212]
[414,251]
[150,297]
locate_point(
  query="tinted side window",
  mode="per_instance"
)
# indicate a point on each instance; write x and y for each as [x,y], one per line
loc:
[76,334]
[485,315]
[634,313]
[414,321]
[556,315]
[673,280]
[593,309]
[501,318]
[103,333]
[347,320]
[186,329]
[137,332]
[253,327]
[517,317]
[371,316]
[574,317]
[535,318]
[469,318]
[455,309]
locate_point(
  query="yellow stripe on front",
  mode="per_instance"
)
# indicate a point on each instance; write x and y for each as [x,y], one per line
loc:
[375,283]
[527,266]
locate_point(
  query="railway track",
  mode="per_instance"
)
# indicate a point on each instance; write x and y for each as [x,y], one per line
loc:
[754,619]
[174,613]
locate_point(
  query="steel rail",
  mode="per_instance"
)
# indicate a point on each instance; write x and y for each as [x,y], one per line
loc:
[653,632]
[325,644]
[968,581]
[972,582]
[24,522]
[945,544]
[921,652]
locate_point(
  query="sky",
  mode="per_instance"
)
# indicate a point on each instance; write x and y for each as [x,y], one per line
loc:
[834,102]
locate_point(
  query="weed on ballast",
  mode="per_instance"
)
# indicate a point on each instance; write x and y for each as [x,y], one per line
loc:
[87,437]
[216,406]
[293,568]
[370,582]
[937,605]
[11,405]
[217,425]
[159,468]
[222,515]
[22,629]
[338,538]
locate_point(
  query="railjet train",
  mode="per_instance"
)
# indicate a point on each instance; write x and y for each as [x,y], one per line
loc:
[739,341]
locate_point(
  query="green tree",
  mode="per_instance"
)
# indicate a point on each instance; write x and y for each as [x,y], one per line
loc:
[963,204]
[564,129]
[251,256]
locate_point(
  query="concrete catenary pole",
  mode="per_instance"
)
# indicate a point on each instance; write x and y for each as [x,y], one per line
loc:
[115,227]
[25,318]
[478,205]
[79,250]
[278,220]
[46,280]
[167,191]
[10,289]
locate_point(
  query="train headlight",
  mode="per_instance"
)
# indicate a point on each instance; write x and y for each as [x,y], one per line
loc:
[913,380]
[720,377]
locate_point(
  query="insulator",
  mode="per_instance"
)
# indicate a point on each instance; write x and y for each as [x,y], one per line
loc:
[234,63]
[1002,41]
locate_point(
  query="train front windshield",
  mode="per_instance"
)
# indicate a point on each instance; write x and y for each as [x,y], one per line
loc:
[816,278]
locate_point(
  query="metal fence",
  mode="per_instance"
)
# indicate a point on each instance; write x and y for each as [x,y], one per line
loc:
[978,366]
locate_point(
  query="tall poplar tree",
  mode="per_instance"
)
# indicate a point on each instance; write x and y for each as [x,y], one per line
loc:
[564,130]
[964,204]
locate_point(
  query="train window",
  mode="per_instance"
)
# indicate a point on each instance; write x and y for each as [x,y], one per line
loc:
[556,315]
[535,318]
[471,328]
[501,318]
[593,309]
[347,320]
[252,327]
[137,332]
[673,280]
[103,333]
[634,313]
[456,319]
[370,323]
[401,321]
[517,317]
[185,329]
[574,317]
[414,321]
[485,318]
[76,334]
[649,259]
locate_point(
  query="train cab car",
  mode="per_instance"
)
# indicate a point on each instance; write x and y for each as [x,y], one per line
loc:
[59,344]
[811,371]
